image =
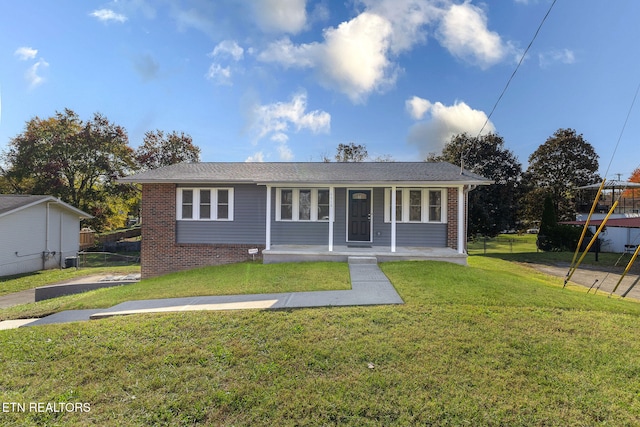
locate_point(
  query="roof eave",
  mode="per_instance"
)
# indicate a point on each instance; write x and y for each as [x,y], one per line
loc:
[49,199]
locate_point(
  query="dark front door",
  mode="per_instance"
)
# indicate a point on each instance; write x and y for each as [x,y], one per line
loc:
[360,215]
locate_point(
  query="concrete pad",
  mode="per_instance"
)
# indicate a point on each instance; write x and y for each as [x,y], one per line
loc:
[84,284]
[199,307]
[13,324]
[65,317]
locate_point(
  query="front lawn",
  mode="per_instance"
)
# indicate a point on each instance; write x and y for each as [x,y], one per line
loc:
[492,344]
[241,278]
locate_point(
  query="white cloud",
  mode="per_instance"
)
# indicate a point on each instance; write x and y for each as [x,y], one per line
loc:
[287,16]
[352,59]
[220,75]
[357,57]
[228,48]
[106,15]
[197,19]
[275,120]
[563,56]
[285,53]
[446,121]
[25,53]
[33,76]
[417,107]
[408,19]
[285,152]
[256,158]
[463,31]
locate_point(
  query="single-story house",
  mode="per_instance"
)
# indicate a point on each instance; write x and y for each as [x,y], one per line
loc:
[37,233]
[196,214]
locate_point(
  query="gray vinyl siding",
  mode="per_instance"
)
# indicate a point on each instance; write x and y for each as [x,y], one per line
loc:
[248,225]
[407,234]
[297,232]
[300,233]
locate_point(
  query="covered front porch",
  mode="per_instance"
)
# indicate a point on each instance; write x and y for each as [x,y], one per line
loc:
[302,253]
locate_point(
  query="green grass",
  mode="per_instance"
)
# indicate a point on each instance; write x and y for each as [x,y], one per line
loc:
[241,278]
[21,282]
[522,248]
[492,344]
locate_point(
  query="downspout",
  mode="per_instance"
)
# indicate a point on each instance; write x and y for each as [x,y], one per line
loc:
[45,253]
[332,216]
[393,218]
[466,213]
[461,218]
[267,243]
[61,234]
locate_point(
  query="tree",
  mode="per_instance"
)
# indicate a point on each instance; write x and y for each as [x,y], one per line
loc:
[75,161]
[633,192]
[159,150]
[355,153]
[351,153]
[5,184]
[491,208]
[560,165]
[553,236]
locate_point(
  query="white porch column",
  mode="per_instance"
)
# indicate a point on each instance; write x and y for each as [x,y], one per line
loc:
[332,216]
[461,220]
[268,224]
[393,218]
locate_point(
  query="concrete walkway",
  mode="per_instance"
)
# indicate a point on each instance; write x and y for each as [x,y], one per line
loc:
[369,286]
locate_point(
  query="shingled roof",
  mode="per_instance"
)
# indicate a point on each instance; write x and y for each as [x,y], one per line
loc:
[10,203]
[309,173]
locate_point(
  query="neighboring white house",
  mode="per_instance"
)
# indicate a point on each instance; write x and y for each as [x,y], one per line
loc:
[621,232]
[37,233]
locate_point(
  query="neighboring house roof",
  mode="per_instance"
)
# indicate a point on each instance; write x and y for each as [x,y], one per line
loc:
[615,185]
[11,203]
[632,222]
[309,173]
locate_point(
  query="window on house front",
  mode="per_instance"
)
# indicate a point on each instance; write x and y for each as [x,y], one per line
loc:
[415,205]
[286,204]
[435,206]
[187,204]
[323,204]
[302,204]
[205,204]
[223,204]
[398,205]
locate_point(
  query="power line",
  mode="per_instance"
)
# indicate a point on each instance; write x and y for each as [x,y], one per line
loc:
[510,78]
[517,67]
[622,130]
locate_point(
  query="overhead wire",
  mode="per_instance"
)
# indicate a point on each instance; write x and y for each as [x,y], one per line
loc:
[504,90]
[573,268]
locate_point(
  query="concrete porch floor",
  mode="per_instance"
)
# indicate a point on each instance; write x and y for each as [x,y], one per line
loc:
[301,253]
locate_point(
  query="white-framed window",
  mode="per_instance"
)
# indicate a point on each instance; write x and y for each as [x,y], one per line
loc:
[204,204]
[302,204]
[416,205]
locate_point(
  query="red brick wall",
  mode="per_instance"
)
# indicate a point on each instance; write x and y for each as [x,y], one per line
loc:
[452,218]
[160,252]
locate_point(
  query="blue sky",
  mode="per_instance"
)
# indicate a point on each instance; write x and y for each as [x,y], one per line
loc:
[276,80]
